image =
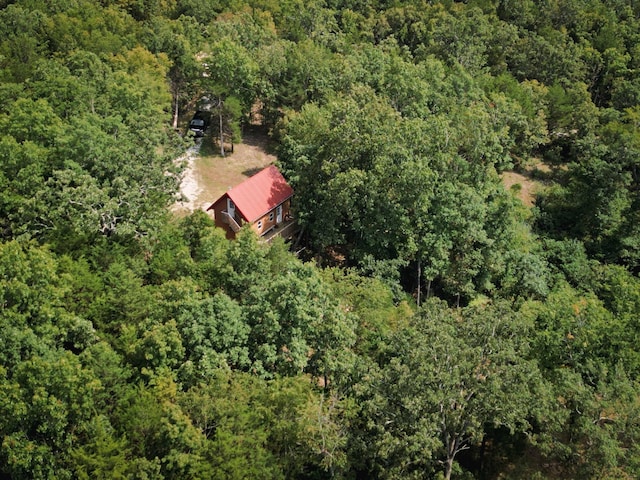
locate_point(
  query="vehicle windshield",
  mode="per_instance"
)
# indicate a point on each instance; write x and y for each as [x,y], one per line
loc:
[197,123]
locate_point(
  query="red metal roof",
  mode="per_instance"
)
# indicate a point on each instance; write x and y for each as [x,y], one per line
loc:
[260,194]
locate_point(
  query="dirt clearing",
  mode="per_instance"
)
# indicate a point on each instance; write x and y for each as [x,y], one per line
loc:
[525,185]
[208,175]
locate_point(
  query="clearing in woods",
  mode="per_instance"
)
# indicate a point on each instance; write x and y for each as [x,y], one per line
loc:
[208,175]
[525,185]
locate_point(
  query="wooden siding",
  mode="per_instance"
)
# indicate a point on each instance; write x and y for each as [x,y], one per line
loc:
[220,217]
[268,224]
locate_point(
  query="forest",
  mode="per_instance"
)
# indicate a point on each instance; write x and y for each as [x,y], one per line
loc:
[434,326]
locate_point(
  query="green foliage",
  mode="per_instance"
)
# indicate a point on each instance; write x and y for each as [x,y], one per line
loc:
[135,345]
[178,39]
[367,181]
[572,327]
[124,299]
[295,327]
[215,335]
[276,429]
[46,400]
[22,46]
[598,203]
[32,294]
[449,377]
[103,456]
[209,249]
[160,433]
[371,302]
[170,256]
[155,347]
[569,259]
[230,71]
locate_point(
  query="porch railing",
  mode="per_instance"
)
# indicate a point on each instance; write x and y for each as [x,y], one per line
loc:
[229,220]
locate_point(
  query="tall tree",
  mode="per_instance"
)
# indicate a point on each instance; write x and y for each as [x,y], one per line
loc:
[450,377]
[230,72]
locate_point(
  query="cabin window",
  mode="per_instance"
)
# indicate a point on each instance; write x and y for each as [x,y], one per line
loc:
[259,224]
[271,217]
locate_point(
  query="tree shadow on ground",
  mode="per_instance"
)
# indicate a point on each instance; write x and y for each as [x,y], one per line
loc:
[252,171]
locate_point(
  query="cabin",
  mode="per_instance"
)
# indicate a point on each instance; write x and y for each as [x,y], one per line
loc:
[263,201]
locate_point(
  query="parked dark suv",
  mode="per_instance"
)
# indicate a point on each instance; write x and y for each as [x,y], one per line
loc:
[200,122]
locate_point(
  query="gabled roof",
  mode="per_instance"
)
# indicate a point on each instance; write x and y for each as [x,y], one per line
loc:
[259,194]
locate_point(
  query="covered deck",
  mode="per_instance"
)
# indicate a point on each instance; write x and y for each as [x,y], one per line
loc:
[287,229]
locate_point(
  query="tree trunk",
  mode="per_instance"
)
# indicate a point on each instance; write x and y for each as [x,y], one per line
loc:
[448,468]
[176,112]
[419,277]
[221,132]
[483,449]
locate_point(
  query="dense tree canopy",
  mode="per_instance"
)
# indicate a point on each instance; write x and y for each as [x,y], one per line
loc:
[434,326]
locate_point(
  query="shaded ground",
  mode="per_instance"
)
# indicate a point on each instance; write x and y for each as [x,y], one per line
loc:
[208,175]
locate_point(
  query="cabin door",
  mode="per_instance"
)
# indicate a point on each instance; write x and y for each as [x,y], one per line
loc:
[231,208]
[279,214]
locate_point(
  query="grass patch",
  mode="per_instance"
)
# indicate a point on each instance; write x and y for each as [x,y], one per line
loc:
[215,174]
